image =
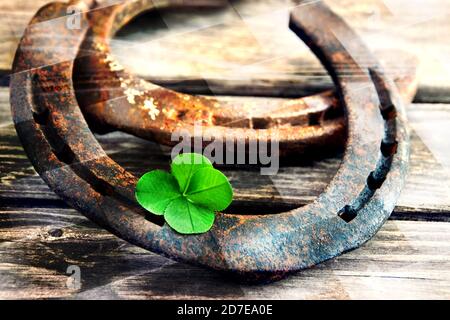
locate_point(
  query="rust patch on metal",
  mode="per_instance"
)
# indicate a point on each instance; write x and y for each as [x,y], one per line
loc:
[354,206]
[116,99]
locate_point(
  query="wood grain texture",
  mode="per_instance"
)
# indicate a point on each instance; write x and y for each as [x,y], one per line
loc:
[240,49]
[405,260]
[15,16]
[426,194]
[246,47]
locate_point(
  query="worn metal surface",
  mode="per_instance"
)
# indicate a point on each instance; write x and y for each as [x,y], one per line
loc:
[256,247]
[113,99]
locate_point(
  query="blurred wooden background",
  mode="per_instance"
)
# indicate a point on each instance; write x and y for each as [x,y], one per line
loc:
[242,48]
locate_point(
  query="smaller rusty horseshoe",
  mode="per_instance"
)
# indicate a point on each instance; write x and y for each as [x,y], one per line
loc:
[113,99]
[354,206]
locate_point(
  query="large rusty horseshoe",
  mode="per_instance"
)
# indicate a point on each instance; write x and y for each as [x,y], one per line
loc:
[113,99]
[354,206]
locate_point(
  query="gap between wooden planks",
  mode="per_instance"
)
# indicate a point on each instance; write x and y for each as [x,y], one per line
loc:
[246,48]
[426,195]
[405,260]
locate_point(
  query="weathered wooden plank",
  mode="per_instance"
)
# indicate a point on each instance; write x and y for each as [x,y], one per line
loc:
[40,237]
[14,16]
[246,47]
[425,196]
[405,260]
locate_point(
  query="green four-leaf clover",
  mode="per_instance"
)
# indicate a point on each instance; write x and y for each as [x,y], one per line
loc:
[189,196]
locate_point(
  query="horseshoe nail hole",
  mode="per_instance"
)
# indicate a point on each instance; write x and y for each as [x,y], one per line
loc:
[102,187]
[373,182]
[98,184]
[41,118]
[65,154]
[388,149]
[314,119]
[260,123]
[389,112]
[181,114]
[347,213]
[333,113]
[56,233]
[37,92]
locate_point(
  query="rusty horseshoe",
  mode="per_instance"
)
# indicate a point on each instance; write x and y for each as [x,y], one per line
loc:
[356,203]
[113,99]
